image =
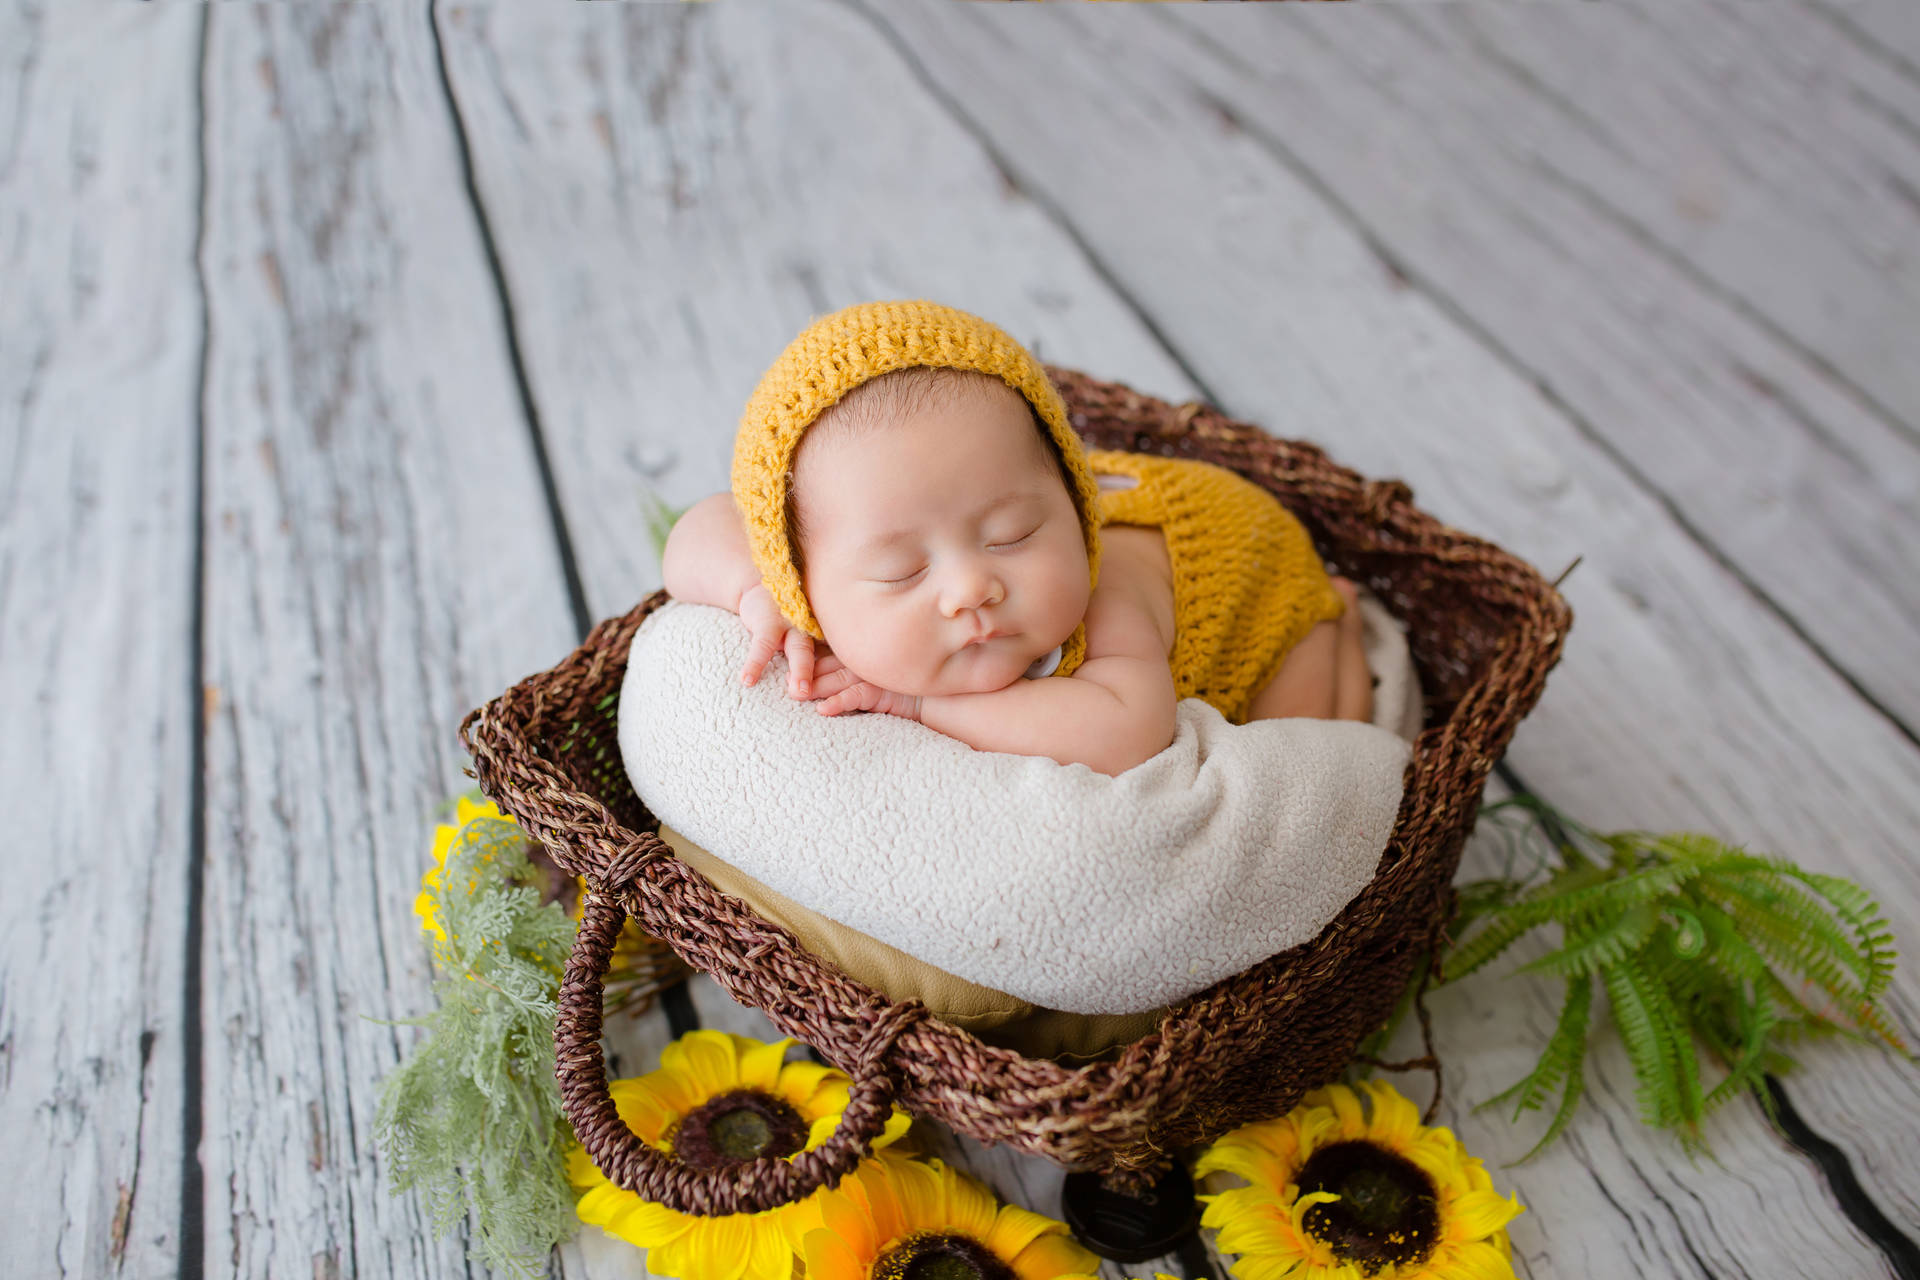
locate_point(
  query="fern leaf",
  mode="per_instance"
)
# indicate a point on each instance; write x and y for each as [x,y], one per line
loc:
[1591,947]
[1565,1054]
[1857,907]
[1795,934]
[1660,1049]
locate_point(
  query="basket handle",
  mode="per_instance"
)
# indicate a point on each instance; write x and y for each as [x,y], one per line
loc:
[638,1166]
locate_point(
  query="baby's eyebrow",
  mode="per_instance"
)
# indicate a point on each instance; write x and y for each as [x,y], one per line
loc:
[881,541]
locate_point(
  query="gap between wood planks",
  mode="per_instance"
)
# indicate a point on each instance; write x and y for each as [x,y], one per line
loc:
[193,1192]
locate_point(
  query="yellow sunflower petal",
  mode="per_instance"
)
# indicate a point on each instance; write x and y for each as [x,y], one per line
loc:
[915,1199]
[894,1129]
[1014,1228]
[639,1222]
[848,1220]
[1477,1261]
[1261,1229]
[1052,1256]
[967,1206]
[759,1064]
[1478,1214]
[650,1104]
[826,1095]
[771,1258]
[1345,1105]
[707,1058]
[829,1257]
[799,1080]
[1265,1154]
[1395,1120]
[581,1170]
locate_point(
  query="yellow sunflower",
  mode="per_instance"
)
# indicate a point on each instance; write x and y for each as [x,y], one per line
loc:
[1339,1192]
[896,1218]
[720,1099]
[641,965]
[466,814]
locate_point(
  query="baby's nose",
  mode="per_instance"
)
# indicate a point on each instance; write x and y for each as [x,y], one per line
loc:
[973,590]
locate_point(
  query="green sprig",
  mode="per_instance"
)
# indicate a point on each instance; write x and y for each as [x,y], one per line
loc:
[472,1119]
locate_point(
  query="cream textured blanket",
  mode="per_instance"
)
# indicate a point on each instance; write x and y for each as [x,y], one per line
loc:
[1050,882]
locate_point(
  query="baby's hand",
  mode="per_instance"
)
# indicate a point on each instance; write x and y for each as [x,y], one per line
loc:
[838,690]
[772,633]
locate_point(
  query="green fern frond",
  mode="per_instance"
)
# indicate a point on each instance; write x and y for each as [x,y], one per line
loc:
[1592,945]
[1795,935]
[1660,1049]
[1699,944]
[1505,925]
[1565,1054]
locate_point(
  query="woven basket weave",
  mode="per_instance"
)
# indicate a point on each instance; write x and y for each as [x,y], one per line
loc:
[1484,629]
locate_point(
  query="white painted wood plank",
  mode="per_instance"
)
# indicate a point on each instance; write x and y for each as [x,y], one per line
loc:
[99,352]
[1680,703]
[380,560]
[1756,142]
[1453,156]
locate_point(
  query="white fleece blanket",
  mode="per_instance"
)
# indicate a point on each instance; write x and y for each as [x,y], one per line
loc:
[1053,883]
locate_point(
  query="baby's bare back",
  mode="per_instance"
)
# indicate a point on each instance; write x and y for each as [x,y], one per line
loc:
[1134,558]
[1324,676]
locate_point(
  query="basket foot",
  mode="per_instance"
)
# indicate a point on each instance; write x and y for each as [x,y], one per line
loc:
[1131,1228]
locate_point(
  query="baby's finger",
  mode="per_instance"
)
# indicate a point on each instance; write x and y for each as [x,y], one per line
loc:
[827,684]
[759,653]
[799,664]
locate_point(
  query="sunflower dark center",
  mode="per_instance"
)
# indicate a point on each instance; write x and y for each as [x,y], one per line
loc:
[1387,1213]
[933,1255]
[737,1127]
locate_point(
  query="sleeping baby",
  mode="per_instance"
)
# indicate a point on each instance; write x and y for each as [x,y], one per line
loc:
[916,527]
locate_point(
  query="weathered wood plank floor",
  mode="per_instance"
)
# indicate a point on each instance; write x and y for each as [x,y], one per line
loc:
[344,350]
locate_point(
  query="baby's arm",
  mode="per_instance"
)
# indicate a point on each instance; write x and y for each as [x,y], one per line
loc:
[1116,711]
[1110,715]
[707,561]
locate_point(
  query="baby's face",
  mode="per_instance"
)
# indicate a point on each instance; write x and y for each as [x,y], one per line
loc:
[934,531]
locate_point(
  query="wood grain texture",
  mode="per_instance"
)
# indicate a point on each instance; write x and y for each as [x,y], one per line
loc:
[380,559]
[100,337]
[1681,703]
[1446,244]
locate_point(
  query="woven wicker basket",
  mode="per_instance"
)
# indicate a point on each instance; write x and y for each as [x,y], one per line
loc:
[1484,629]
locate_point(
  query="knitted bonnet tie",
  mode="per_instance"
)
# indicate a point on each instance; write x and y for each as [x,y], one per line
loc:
[839,352]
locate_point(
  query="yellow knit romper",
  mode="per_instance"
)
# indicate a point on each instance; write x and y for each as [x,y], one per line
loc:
[1247,582]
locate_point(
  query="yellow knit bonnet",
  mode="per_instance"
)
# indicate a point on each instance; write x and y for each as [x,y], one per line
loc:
[837,353]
